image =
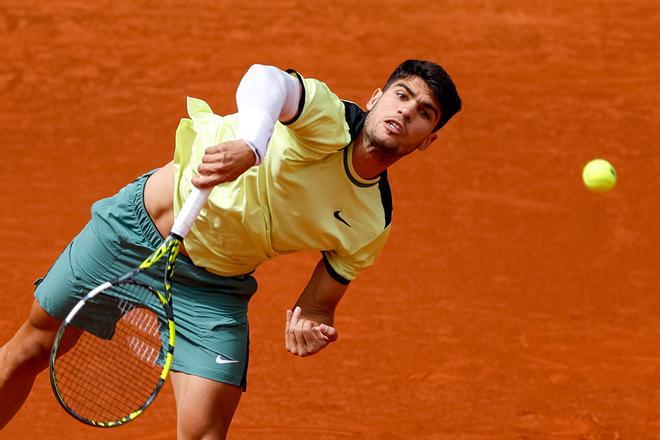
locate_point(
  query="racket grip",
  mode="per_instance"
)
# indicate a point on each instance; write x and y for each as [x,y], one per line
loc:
[188,214]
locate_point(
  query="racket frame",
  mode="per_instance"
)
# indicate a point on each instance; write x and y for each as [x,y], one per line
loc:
[169,249]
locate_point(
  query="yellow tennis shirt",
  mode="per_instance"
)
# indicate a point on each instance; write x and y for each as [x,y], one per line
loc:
[304,196]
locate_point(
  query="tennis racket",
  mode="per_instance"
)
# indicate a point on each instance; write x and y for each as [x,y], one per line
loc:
[113,351]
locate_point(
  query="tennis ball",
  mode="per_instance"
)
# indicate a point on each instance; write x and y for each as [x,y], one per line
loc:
[599,176]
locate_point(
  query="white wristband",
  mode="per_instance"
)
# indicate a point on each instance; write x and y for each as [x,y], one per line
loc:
[255,126]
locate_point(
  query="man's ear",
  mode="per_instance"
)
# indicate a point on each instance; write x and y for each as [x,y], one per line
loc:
[375,96]
[427,142]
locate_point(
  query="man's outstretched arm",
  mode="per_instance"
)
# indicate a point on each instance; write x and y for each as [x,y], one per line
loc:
[309,326]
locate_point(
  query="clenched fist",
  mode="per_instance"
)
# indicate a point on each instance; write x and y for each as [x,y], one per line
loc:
[223,163]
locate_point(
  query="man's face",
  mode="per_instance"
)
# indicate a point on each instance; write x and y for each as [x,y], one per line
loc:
[401,119]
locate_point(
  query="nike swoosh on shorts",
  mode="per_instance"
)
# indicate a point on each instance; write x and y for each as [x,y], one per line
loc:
[224,360]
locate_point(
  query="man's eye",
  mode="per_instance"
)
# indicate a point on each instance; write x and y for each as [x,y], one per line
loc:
[424,114]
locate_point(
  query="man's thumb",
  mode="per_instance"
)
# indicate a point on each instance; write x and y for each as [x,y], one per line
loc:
[328,331]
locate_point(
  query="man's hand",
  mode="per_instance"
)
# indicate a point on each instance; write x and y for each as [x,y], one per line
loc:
[223,163]
[304,337]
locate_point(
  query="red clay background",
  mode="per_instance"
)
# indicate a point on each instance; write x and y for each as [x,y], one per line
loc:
[510,303]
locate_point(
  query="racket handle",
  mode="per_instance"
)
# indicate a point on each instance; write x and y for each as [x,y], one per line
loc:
[188,214]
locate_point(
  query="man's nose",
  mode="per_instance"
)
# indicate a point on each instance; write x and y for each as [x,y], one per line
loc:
[406,111]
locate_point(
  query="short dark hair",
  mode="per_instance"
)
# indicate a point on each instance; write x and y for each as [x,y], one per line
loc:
[438,81]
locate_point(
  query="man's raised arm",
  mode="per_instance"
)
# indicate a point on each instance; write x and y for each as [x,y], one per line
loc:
[264,95]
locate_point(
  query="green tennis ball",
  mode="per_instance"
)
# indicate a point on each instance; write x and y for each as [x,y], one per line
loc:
[599,176]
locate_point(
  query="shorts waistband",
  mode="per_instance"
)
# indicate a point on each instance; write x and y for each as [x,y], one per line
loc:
[146,224]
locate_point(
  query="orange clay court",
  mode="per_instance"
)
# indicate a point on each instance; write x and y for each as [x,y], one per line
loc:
[509,303]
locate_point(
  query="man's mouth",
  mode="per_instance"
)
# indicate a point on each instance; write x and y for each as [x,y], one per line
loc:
[394,126]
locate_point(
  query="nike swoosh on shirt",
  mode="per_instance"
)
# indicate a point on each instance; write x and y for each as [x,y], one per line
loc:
[224,360]
[338,217]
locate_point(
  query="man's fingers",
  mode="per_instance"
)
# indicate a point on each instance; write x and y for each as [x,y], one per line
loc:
[289,314]
[315,337]
[213,149]
[304,337]
[205,181]
[319,336]
[223,163]
[287,336]
[329,332]
[321,340]
[209,169]
[301,346]
[293,316]
[311,339]
[293,322]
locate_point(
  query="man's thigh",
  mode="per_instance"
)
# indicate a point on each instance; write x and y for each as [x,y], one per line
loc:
[204,407]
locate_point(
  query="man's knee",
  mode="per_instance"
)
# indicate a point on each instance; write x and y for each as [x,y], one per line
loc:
[196,428]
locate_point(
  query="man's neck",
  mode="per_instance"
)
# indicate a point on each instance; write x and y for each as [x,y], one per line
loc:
[368,161]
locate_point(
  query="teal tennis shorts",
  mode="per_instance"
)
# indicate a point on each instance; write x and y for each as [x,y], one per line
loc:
[210,311]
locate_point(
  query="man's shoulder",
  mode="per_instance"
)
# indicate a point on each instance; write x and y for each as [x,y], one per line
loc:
[355,117]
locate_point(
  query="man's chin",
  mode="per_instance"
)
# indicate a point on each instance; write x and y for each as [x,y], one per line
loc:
[384,144]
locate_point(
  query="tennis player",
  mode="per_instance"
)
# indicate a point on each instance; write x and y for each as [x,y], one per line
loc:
[295,169]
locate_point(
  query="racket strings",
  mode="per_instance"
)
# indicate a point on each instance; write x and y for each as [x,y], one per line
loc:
[103,392]
[115,366]
[97,389]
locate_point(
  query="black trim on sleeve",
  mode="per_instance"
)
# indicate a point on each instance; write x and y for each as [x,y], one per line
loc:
[355,117]
[385,197]
[301,103]
[332,272]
